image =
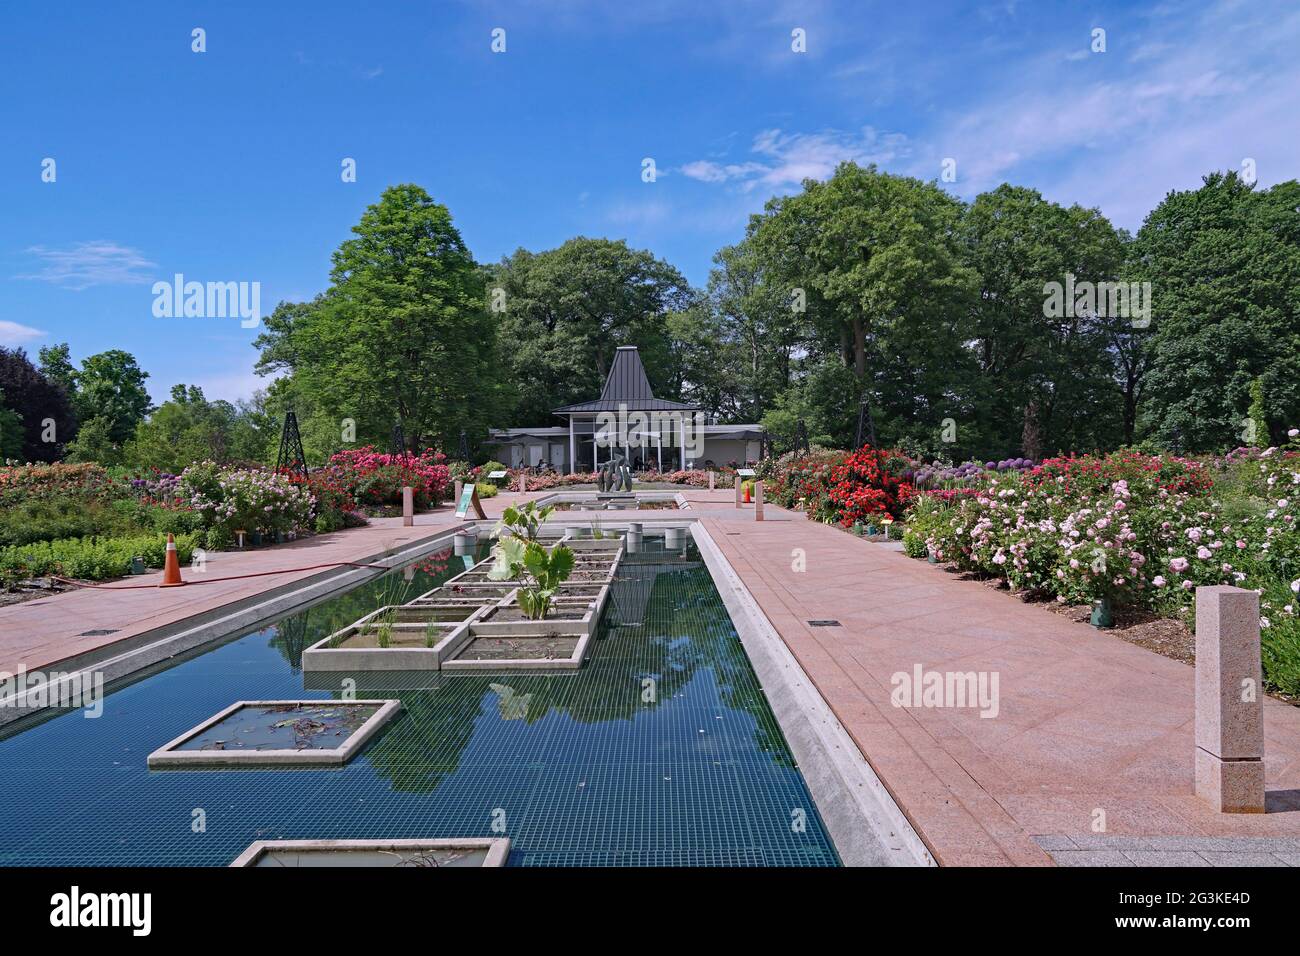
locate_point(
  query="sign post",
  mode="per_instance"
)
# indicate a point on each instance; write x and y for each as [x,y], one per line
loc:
[469,499]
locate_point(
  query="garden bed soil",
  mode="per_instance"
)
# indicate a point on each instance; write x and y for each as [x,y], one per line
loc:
[540,648]
[399,638]
[513,613]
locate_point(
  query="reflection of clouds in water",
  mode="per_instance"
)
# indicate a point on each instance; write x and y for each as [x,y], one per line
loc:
[512,706]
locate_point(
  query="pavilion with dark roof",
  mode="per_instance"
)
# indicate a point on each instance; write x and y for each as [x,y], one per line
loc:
[652,436]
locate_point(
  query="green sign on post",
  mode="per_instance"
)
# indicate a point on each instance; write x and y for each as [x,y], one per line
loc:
[469,499]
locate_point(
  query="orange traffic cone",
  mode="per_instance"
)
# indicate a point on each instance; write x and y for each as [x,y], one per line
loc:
[171,567]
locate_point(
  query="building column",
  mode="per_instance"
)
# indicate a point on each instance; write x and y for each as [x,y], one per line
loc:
[681,428]
[573,449]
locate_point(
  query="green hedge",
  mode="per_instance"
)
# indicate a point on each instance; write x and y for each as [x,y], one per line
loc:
[89,558]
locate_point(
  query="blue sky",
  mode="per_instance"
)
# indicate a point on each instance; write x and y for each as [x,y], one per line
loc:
[225,165]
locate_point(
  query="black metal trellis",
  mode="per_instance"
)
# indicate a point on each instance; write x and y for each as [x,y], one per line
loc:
[801,438]
[464,446]
[864,418]
[291,458]
[399,441]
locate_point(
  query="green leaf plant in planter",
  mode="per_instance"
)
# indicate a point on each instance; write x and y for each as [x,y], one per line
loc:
[539,571]
[521,557]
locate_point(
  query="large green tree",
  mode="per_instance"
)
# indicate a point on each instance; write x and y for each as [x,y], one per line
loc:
[401,337]
[874,262]
[1224,264]
[563,312]
[1044,380]
[43,406]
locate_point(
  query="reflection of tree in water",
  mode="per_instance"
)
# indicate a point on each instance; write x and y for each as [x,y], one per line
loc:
[667,622]
[291,639]
[295,634]
[425,742]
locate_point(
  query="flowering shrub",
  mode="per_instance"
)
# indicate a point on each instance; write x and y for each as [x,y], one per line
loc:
[803,481]
[548,480]
[864,486]
[1142,531]
[31,481]
[695,478]
[335,506]
[373,478]
[234,500]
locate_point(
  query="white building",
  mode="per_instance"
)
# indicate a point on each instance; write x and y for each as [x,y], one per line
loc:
[627,418]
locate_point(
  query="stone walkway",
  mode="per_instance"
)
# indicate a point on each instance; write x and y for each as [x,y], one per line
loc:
[1091,732]
[37,634]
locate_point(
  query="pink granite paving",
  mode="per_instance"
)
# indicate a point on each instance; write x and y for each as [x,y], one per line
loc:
[42,632]
[1086,722]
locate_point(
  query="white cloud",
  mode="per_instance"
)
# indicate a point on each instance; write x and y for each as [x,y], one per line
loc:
[1119,134]
[85,264]
[787,159]
[1180,94]
[13,334]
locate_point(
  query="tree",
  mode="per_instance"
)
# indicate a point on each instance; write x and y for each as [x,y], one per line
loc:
[41,404]
[566,311]
[758,326]
[402,336]
[94,442]
[1224,263]
[874,262]
[1041,373]
[11,432]
[56,365]
[110,386]
[188,428]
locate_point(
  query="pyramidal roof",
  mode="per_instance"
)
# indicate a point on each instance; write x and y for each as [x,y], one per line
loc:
[626,386]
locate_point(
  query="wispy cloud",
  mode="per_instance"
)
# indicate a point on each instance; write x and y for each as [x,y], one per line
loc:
[787,159]
[13,334]
[85,264]
[1181,92]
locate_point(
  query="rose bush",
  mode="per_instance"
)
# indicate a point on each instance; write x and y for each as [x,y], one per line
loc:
[1143,531]
[373,478]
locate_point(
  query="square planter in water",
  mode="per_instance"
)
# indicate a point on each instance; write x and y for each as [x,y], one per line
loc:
[537,651]
[434,854]
[563,618]
[279,733]
[357,648]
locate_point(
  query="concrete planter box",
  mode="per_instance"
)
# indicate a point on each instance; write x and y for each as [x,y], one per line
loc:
[506,620]
[598,545]
[408,649]
[437,854]
[322,657]
[542,652]
[446,593]
[175,754]
[569,590]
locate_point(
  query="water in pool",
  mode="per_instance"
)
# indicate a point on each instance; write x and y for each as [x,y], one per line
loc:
[662,750]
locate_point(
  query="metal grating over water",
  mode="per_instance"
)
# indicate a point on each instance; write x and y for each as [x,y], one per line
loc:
[661,751]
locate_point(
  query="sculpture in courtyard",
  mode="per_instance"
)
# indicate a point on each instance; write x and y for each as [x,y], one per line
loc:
[614,475]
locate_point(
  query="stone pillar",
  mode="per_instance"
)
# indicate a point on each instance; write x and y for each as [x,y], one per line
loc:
[712,478]
[408,506]
[523,482]
[738,491]
[1229,700]
[460,486]
[758,501]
